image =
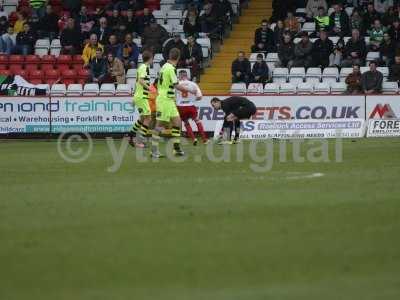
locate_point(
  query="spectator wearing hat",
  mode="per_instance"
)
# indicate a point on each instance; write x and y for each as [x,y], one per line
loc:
[263,39]
[154,37]
[241,69]
[303,52]
[371,81]
[260,72]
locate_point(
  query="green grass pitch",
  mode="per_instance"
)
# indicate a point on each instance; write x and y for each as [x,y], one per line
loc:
[199,231]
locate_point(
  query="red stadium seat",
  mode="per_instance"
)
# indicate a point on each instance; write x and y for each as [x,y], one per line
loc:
[83,74]
[46,67]
[52,74]
[21,72]
[32,59]
[31,67]
[5,72]
[64,59]
[3,59]
[69,76]
[36,81]
[77,60]
[62,67]
[3,67]
[36,75]
[16,59]
[48,59]
[15,68]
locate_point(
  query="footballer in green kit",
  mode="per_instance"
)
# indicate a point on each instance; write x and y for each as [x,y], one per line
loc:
[167,111]
[140,130]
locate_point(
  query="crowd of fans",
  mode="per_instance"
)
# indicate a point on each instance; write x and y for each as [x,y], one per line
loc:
[106,35]
[378,20]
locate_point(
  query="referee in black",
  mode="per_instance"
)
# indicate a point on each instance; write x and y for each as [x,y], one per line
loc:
[236,108]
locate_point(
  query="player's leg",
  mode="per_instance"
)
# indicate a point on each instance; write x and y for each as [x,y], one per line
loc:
[236,125]
[176,130]
[183,112]
[200,128]
[162,119]
[142,131]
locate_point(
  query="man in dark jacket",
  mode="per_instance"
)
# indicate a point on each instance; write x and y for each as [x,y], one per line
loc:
[113,46]
[369,17]
[394,70]
[286,52]
[371,80]
[128,52]
[339,21]
[193,56]
[260,70]
[98,68]
[241,69]
[103,31]
[353,81]
[175,42]
[49,23]
[394,32]
[25,40]
[71,39]
[154,36]
[322,49]
[303,52]
[354,51]
[387,50]
[263,39]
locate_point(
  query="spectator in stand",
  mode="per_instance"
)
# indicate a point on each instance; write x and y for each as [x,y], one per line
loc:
[369,16]
[8,41]
[130,22]
[74,6]
[335,60]
[322,50]
[49,24]
[193,56]
[279,31]
[113,46]
[387,50]
[85,22]
[129,53]
[303,52]
[19,23]
[371,80]
[339,21]
[394,32]
[209,20]
[394,70]
[38,7]
[263,39]
[354,51]
[25,41]
[144,20]
[154,37]
[103,31]
[71,38]
[353,81]
[376,35]
[115,69]
[175,42]
[241,69]
[98,68]
[260,72]
[191,25]
[322,20]
[3,25]
[381,6]
[389,16]
[313,7]
[286,52]
[292,24]
[89,51]
[224,13]
[114,20]
[356,20]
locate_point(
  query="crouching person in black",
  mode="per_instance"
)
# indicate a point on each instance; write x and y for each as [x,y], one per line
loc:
[235,108]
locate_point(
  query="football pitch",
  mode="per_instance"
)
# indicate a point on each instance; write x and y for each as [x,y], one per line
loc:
[200,229]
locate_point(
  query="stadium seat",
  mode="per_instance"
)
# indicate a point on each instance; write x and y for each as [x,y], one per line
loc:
[83,75]
[349,10]
[5,72]
[159,15]
[158,57]
[389,87]
[4,59]
[36,74]
[308,27]
[271,88]
[280,75]
[52,76]
[123,89]
[174,17]
[346,39]
[48,60]
[32,59]
[16,59]
[272,57]
[344,72]
[330,74]
[305,88]
[21,72]
[238,88]
[46,67]
[15,68]
[69,76]
[255,88]
[64,59]
[90,89]
[287,88]
[42,47]
[296,75]
[107,89]
[58,90]
[167,27]
[3,66]
[334,39]
[55,47]
[131,73]
[384,71]
[62,67]
[77,60]
[322,88]
[74,89]
[313,75]
[338,87]
[372,56]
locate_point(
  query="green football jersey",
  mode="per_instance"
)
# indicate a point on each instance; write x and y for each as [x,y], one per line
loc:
[141,92]
[166,82]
